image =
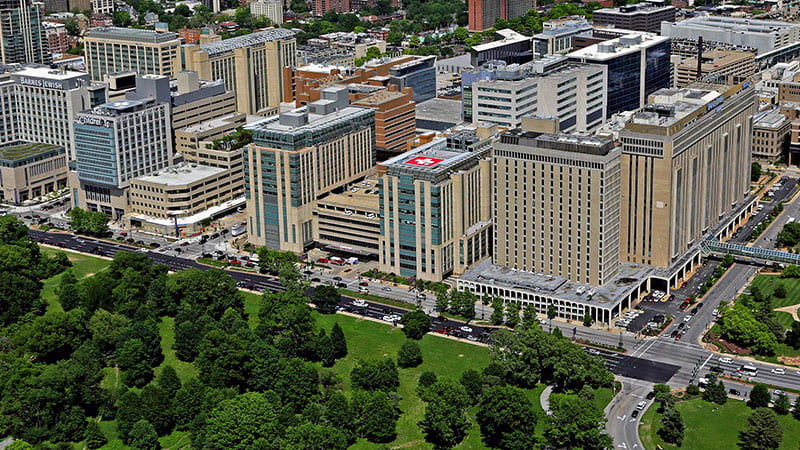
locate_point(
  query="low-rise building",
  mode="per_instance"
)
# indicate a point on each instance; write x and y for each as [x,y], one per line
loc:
[184,194]
[29,170]
[349,221]
[770,132]
[189,139]
[715,64]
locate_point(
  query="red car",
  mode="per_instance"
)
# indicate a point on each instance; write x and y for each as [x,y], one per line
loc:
[323,260]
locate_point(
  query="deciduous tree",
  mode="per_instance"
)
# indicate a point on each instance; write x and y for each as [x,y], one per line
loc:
[445,423]
[506,418]
[409,355]
[415,324]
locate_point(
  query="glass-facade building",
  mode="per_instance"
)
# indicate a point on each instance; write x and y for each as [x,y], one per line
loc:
[23,38]
[628,58]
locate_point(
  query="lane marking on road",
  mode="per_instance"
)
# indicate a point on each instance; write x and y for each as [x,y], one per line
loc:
[704,362]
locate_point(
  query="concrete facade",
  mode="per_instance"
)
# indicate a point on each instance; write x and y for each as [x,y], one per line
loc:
[639,17]
[770,132]
[29,170]
[715,64]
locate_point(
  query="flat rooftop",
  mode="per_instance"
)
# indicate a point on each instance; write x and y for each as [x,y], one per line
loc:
[131,34]
[48,73]
[314,120]
[718,58]
[260,37]
[440,110]
[507,37]
[379,98]
[181,175]
[26,150]
[212,123]
[623,45]
[607,296]
[770,119]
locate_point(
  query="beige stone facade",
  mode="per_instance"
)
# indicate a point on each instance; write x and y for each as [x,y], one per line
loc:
[110,49]
[770,133]
[29,170]
[189,139]
[716,63]
[297,158]
[681,174]
[251,65]
[557,205]
[436,210]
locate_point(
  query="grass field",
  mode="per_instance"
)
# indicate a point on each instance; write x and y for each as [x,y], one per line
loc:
[82,265]
[768,283]
[711,427]
[365,339]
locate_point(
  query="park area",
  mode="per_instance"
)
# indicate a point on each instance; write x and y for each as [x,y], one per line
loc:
[365,339]
[710,426]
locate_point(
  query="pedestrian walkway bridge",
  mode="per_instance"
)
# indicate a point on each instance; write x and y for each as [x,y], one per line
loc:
[709,246]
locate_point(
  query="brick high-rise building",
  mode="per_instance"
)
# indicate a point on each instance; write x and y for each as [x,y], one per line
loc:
[483,13]
[323,6]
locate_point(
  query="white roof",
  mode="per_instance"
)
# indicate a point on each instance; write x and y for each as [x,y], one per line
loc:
[617,47]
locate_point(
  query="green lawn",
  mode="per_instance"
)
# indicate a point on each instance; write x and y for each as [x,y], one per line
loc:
[768,283]
[711,427]
[185,370]
[82,265]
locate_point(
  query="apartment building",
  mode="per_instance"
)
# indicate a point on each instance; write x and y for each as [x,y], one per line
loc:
[39,104]
[23,38]
[251,66]
[115,143]
[29,170]
[271,9]
[638,65]
[770,134]
[685,165]
[435,208]
[298,157]
[715,64]
[643,16]
[557,205]
[484,13]
[112,49]
[552,86]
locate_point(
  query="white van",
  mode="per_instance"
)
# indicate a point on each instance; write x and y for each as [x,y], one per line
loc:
[749,370]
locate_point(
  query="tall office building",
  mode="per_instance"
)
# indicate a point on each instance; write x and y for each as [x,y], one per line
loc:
[552,86]
[22,36]
[638,64]
[299,156]
[38,104]
[115,143]
[484,13]
[111,49]
[251,66]
[435,205]
[643,16]
[685,165]
[191,100]
[557,205]
[418,74]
